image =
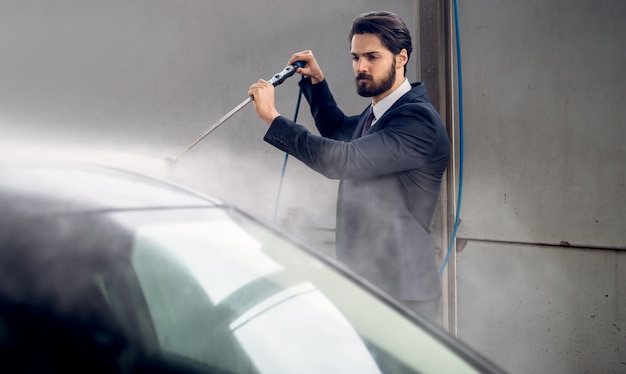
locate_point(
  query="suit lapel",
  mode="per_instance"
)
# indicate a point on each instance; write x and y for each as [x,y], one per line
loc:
[415,94]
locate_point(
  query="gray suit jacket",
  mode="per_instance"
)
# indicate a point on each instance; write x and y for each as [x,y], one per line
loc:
[390,182]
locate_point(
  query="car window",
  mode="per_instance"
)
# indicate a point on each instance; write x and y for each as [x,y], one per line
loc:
[228,293]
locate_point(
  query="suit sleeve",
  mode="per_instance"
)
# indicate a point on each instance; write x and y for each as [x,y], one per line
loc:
[405,141]
[330,121]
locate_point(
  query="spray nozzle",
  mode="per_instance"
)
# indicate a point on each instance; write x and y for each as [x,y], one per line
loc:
[287,72]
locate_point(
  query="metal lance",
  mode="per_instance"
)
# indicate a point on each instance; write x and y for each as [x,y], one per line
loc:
[277,79]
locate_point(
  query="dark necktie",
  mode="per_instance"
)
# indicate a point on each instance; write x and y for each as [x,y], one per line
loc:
[368,122]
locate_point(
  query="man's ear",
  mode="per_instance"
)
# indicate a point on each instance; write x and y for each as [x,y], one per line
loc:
[402,58]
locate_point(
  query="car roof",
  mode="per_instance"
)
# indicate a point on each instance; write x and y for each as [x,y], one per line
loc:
[61,188]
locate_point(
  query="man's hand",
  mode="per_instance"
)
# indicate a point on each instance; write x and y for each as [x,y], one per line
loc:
[262,93]
[311,69]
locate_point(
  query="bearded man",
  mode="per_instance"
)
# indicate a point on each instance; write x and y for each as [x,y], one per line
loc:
[390,160]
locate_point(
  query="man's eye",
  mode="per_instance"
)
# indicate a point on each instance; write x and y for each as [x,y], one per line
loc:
[355,58]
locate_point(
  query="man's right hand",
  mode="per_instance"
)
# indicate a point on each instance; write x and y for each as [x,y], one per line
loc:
[311,69]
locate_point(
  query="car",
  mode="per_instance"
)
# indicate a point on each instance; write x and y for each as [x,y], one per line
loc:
[107,270]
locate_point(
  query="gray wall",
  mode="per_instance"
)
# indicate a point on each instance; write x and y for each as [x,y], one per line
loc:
[540,282]
[147,76]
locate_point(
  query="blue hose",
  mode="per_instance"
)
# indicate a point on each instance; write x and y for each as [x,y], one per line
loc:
[461,151]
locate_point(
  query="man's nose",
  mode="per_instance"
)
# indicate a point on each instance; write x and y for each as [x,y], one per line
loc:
[362,66]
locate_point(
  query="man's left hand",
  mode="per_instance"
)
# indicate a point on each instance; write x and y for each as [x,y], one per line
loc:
[262,93]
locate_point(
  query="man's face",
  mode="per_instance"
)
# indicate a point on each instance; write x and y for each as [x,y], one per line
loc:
[374,66]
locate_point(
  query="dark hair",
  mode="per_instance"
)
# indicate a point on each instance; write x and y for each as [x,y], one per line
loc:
[390,28]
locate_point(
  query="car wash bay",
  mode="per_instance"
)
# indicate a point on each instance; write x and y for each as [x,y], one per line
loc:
[535,280]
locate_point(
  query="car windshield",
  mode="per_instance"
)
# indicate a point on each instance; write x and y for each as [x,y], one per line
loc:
[225,292]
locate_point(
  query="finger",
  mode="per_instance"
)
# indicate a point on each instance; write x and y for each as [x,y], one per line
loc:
[254,90]
[256,86]
[305,56]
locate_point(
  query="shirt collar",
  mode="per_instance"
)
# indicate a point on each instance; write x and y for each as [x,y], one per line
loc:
[382,106]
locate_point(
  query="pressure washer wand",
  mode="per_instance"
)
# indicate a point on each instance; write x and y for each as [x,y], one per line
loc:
[277,79]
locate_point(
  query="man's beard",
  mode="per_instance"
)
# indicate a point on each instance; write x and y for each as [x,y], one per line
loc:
[375,89]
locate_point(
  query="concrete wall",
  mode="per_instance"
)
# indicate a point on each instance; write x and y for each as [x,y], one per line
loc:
[148,76]
[540,282]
